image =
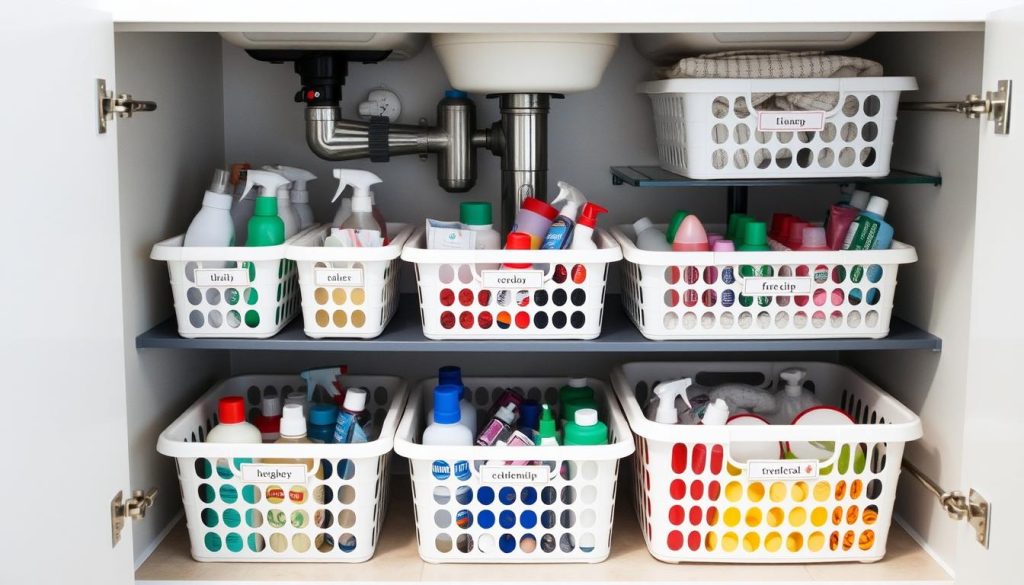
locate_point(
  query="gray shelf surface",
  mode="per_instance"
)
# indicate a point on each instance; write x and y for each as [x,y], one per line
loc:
[405,333]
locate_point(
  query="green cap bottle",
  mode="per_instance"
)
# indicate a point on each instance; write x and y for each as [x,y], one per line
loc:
[755,237]
[265,227]
[571,407]
[575,389]
[547,434]
[475,213]
[674,223]
[730,230]
[741,229]
[586,429]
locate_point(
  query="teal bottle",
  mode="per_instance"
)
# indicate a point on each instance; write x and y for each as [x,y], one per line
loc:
[265,227]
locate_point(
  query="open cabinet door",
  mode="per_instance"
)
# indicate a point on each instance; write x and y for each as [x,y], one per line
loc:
[994,435]
[61,341]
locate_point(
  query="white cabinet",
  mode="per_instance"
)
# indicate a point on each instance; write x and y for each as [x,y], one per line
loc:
[85,211]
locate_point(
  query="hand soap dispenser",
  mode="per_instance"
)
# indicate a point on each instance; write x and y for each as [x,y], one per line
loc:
[794,398]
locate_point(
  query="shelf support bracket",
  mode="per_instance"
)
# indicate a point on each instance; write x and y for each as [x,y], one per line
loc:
[973,508]
[995,105]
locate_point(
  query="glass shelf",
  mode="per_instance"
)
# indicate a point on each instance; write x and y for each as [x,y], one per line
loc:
[652,176]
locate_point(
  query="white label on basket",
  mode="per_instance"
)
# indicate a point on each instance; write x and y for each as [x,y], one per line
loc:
[506,279]
[784,469]
[222,276]
[515,474]
[338,276]
[783,121]
[777,286]
[259,473]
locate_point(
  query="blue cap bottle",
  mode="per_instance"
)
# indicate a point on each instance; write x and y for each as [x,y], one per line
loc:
[446,427]
[449,375]
[322,419]
[446,404]
[529,415]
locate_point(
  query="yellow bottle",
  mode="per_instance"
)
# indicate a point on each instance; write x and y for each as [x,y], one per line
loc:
[293,430]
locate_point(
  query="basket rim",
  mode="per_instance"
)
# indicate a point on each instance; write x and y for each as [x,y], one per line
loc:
[173,250]
[415,252]
[309,248]
[787,84]
[406,447]
[169,444]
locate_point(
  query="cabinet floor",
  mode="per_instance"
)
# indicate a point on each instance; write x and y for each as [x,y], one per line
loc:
[397,560]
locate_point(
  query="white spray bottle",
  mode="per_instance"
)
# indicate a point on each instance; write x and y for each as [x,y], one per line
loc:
[559,235]
[285,211]
[361,217]
[794,398]
[666,410]
[299,194]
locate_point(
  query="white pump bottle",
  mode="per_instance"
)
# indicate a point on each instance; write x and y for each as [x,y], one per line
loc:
[361,217]
[299,194]
[285,211]
[794,398]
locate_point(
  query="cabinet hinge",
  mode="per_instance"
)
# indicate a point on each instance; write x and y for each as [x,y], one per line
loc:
[134,507]
[973,508]
[995,105]
[121,105]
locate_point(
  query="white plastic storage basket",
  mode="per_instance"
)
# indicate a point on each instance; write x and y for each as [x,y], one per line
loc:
[464,295]
[233,291]
[707,128]
[347,292]
[559,509]
[760,295]
[239,508]
[696,503]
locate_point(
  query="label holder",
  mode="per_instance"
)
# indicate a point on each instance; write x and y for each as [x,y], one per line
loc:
[339,277]
[791,121]
[512,279]
[221,277]
[281,473]
[515,474]
[782,469]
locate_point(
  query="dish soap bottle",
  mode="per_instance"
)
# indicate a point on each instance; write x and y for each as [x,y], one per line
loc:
[446,426]
[794,398]
[265,227]
[583,239]
[293,431]
[299,194]
[586,429]
[212,226]
[232,427]
[560,233]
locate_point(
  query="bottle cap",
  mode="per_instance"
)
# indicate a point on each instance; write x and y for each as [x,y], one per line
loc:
[221,182]
[518,241]
[506,413]
[755,234]
[270,406]
[796,234]
[265,206]
[717,413]
[723,246]
[529,414]
[475,213]
[787,224]
[323,414]
[733,226]
[691,237]
[293,424]
[740,237]
[546,425]
[295,397]
[814,237]
[540,208]
[878,205]
[640,225]
[713,237]
[446,404]
[588,216]
[355,400]
[454,93]
[577,382]
[586,417]
[217,200]
[231,410]
[571,407]
[449,375]
[777,220]
[674,223]
[859,199]
[794,379]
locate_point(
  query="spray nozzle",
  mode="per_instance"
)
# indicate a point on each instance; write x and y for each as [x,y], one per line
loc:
[327,378]
[573,198]
[667,392]
[588,216]
[282,191]
[794,379]
[269,180]
[360,181]
[297,176]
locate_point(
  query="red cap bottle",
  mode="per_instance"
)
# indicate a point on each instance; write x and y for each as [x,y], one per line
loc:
[231,410]
[517,241]
[589,213]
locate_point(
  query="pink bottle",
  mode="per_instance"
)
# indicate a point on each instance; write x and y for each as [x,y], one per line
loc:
[691,236]
[813,240]
[796,235]
[713,237]
[724,246]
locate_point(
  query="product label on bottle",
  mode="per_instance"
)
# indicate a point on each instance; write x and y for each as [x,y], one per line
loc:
[338,277]
[506,279]
[777,286]
[791,121]
[225,277]
[262,473]
[782,469]
[515,474]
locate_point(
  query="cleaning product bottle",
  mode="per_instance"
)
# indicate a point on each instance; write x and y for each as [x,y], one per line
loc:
[361,217]
[297,396]
[212,226]
[841,215]
[241,209]
[529,417]
[232,427]
[649,237]
[344,210]
[285,211]
[794,398]
[322,420]
[446,426]
[732,231]
[265,227]
[293,431]
[353,424]
[518,241]
[560,234]
[813,240]
[379,216]
[781,236]
[796,234]
[534,218]
[499,428]
[476,216]
[741,229]
[673,225]
[546,431]
[691,237]
[299,194]
[452,375]
[585,429]
[716,414]
[869,232]
[575,388]
[575,405]
[670,404]
[755,240]
[583,236]
[269,420]
[778,219]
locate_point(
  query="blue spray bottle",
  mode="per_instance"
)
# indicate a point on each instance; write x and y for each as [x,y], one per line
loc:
[559,235]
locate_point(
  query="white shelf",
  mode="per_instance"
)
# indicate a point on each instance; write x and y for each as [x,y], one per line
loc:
[397,561]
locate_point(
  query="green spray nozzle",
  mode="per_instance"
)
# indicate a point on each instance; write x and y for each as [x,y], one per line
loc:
[546,428]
